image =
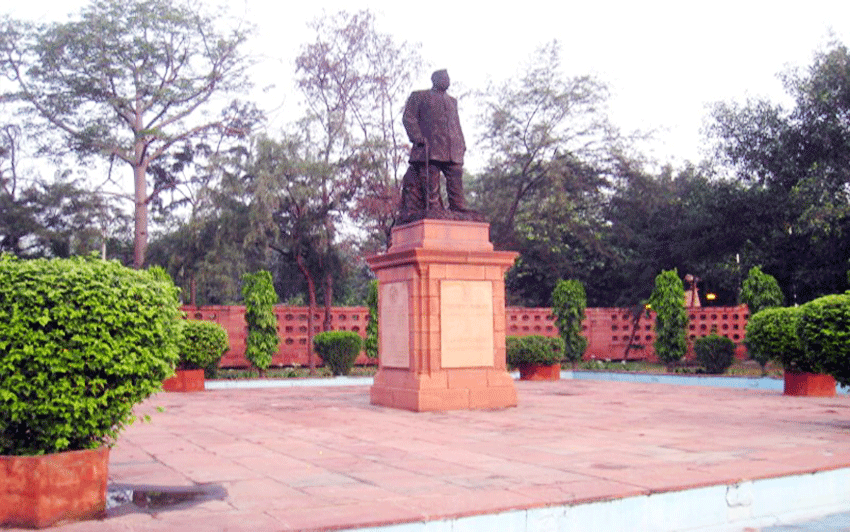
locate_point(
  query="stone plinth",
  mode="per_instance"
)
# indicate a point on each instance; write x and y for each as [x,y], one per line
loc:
[441,310]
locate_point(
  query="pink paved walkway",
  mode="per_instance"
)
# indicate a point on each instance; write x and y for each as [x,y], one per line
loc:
[324,458]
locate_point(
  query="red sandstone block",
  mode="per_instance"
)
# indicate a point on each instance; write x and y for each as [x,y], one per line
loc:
[467,378]
[406,399]
[380,396]
[500,378]
[433,400]
[436,380]
[494,273]
[436,271]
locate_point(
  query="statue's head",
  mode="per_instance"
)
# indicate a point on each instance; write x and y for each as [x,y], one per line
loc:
[440,79]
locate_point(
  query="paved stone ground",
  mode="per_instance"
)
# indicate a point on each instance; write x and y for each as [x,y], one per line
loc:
[323,458]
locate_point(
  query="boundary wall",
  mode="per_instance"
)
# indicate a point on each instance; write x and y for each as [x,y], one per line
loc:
[609,331]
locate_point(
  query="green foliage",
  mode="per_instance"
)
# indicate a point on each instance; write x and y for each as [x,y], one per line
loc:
[338,349]
[568,304]
[671,319]
[715,353]
[202,344]
[760,291]
[259,297]
[534,349]
[824,330]
[81,342]
[371,342]
[772,335]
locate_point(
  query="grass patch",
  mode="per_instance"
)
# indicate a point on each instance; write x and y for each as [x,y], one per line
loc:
[289,372]
[739,368]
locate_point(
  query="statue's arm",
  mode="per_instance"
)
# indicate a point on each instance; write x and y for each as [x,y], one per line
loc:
[410,119]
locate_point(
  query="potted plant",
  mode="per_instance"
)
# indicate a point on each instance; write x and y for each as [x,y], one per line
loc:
[81,342]
[824,331]
[201,346]
[773,333]
[536,357]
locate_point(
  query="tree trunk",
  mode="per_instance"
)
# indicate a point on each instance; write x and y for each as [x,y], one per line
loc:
[329,294]
[311,290]
[140,237]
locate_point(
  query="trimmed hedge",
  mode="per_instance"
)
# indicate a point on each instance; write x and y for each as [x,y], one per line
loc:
[202,344]
[671,318]
[259,297]
[824,330]
[81,342]
[338,349]
[568,305]
[371,342]
[715,353]
[772,335]
[534,349]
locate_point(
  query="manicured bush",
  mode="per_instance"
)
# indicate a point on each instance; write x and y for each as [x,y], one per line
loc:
[338,349]
[568,304]
[202,344]
[371,342]
[81,342]
[671,318]
[824,330]
[772,335]
[715,353]
[259,297]
[760,291]
[534,349]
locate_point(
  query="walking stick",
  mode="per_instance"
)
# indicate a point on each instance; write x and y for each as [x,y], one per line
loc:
[427,182]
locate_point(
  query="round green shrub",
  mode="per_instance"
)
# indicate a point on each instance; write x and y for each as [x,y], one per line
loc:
[534,350]
[568,304]
[338,350]
[715,353]
[81,342]
[824,330]
[201,345]
[772,335]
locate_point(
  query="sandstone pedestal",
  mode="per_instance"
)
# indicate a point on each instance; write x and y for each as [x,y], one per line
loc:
[441,310]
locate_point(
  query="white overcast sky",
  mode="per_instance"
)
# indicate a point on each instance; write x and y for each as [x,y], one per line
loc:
[664,61]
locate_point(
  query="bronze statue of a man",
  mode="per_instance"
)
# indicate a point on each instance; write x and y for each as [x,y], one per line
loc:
[433,126]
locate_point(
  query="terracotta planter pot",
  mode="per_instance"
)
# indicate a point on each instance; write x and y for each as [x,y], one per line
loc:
[42,491]
[809,384]
[537,372]
[185,380]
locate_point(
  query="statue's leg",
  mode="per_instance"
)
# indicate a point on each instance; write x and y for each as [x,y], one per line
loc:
[435,197]
[454,186]
[412,199]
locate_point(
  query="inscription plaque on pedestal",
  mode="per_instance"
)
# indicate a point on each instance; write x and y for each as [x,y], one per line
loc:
[466,319]
[395,325]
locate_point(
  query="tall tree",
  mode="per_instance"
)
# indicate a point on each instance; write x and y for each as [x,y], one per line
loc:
[550,152]
[352,79]
[129,82]
[801,156]
[543,133]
